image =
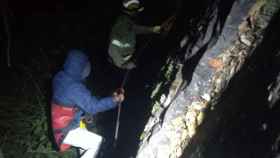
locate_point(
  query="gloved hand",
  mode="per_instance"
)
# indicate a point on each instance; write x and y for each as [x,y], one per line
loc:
[118,95]
[87,118]
[157,29]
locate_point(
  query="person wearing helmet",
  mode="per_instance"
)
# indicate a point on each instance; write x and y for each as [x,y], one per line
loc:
[71,100]
[123,35]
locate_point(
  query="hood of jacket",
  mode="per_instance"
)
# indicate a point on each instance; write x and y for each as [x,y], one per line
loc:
[77,65]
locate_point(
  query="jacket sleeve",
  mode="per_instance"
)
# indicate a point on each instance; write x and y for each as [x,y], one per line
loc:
[82,98]
[140,29]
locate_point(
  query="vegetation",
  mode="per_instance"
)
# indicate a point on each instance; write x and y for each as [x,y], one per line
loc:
[24,114]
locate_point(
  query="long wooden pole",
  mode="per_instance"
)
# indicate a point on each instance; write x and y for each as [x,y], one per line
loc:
[119,110]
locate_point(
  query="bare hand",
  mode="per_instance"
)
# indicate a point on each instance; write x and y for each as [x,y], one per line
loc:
[118,95]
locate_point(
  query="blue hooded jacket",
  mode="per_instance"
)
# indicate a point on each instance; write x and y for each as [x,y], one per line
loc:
[69,90]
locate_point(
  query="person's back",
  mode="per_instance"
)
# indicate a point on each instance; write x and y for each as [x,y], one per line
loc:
[123,35]
[122,41]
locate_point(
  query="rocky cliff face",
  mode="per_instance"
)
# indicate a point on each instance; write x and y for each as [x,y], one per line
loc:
[219,54]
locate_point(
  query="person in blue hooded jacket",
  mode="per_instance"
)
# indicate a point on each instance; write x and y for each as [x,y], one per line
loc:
[71,100]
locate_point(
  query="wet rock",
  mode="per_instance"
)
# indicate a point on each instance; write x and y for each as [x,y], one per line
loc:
[177,122]
[274,92]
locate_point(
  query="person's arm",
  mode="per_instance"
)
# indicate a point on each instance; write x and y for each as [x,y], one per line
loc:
[140,29]
[82,97]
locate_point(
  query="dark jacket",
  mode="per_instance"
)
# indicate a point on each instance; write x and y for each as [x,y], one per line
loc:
[123,39]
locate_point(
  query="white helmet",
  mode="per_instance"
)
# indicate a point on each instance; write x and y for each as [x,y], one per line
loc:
[127,4]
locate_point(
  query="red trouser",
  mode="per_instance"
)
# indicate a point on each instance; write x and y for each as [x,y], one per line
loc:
[61,118]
